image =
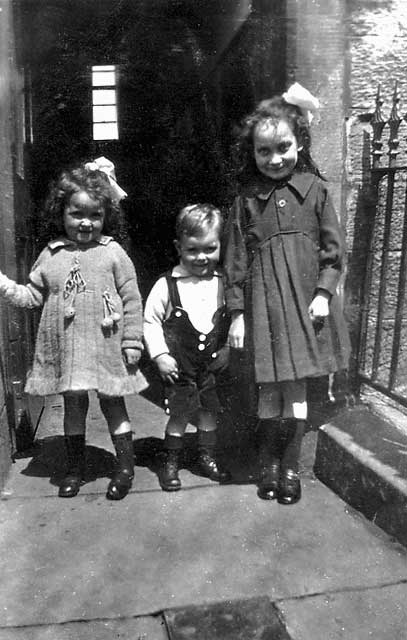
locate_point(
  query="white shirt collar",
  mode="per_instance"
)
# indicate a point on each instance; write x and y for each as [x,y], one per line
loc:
[179,271]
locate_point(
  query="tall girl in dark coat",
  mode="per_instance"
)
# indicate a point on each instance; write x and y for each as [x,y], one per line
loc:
[283,261]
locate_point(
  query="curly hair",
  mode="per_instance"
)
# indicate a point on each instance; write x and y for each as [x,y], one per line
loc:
[97,186]
[274,110]
[195,219]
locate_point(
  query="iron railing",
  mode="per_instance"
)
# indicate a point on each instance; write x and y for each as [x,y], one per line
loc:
[382,358]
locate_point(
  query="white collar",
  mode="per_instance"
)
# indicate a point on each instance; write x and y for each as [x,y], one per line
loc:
[65,242]
[179,271]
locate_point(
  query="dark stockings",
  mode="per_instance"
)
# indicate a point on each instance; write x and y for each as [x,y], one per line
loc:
[270,441]
[292,433]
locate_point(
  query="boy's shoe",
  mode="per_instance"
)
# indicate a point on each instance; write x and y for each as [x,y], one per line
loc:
[269,482]
[120,485]
[168,472]
[209,468]
[289,491]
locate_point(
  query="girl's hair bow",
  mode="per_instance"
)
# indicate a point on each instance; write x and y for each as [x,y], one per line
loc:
[303,99]
[105,165]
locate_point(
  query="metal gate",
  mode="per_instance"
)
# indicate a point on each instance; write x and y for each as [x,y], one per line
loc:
[382,357]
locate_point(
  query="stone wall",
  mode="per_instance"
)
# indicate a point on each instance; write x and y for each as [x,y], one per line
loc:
[316,57]
[377,34]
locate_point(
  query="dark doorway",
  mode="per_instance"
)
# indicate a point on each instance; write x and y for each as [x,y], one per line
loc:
[187,72]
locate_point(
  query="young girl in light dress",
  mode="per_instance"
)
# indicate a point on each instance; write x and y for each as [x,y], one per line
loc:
[90,332]
[283,261]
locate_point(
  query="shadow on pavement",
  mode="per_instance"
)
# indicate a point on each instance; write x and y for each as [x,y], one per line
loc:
[48,460]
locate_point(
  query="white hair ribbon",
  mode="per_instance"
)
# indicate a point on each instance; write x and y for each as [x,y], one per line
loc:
[107,167]
[303,99]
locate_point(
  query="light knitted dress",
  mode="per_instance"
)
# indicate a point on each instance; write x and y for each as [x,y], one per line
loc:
[91,311]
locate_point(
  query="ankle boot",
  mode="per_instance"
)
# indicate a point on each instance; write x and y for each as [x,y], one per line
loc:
[168,474]
[207,464]
[289,491]
[269,445]
[75,451]
[120,484]
[209,468]
[267,488]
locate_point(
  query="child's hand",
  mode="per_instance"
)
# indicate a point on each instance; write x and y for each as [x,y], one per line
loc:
[319,307]
[168,368]
[132,356]
[237,331]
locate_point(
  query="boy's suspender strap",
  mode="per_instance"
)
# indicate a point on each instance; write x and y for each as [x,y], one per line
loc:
[173,292]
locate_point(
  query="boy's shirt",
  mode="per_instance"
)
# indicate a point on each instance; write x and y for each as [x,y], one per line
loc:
[200,298]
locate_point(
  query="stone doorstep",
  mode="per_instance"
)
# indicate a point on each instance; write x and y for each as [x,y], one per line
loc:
[363,459]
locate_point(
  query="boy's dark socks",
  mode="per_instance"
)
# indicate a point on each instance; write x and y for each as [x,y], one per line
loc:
[207,440]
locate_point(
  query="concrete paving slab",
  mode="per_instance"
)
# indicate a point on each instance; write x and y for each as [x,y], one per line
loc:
[145,628]
[363,614]
[38,471]
[87,558]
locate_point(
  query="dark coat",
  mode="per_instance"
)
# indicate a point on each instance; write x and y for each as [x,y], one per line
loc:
[282,246]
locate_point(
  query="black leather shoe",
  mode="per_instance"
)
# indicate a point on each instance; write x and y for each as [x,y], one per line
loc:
[70,485]
[289,491]
[208,467]
[119,486]
[168,473]
[269,482]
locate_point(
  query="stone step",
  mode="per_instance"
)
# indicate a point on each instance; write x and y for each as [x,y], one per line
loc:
[363,459]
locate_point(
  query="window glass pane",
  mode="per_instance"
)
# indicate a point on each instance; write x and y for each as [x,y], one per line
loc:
[104,114]
[105,131]
[103,78]
[104,67]
[104,96]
